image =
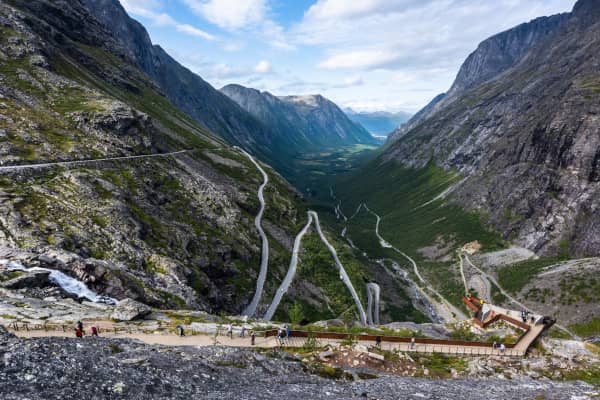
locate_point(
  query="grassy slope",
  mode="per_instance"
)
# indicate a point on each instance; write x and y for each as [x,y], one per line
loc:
[398,195]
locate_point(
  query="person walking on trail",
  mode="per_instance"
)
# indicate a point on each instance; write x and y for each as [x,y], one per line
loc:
[94,330]
[180,330]
[252,338]
[288,332]
[230,331]
[78,333]
[502,348]
[378,341]
[494,345]
[243,332]
[280,336]
[412,343]
[80,326]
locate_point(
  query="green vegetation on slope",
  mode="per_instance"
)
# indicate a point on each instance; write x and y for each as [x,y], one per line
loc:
[514,277]
[399,195]
[585,329]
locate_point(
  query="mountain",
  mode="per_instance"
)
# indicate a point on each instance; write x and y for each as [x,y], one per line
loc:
[492,57]
[186,90]
[379,123]
[523,134]
[140,200]
[309,122]
[508,162]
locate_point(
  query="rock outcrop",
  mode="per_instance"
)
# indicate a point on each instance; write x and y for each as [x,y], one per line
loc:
[34,279]
[128,310]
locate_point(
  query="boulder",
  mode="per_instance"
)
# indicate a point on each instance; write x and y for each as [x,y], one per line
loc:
[29,279]
[330,323]
[128,310]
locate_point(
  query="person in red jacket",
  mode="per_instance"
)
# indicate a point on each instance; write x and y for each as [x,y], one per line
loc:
[78,333]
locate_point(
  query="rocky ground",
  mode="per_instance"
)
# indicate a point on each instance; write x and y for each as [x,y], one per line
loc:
[53,368]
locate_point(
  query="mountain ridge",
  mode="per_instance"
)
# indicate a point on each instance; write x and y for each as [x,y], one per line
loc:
[534,121]
[311,121]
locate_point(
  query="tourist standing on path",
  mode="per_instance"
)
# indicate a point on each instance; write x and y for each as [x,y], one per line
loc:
[78,333]
[252,338]
[288,332]
[80,326]
[94,330]
[412,343]
[280,336]
[243,332]
[180,330]
[378,341]
[230,331]
[502,348]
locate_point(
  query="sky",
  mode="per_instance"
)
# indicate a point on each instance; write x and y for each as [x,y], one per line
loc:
[370,55]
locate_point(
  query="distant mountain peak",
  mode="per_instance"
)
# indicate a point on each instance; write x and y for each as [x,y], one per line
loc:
[307,122]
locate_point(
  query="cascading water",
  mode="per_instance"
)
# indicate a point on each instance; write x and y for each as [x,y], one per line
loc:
[67,283]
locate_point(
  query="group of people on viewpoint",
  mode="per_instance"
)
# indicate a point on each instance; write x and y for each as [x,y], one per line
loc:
[80,332]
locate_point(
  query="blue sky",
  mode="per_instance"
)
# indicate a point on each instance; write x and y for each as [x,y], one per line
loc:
[365,54]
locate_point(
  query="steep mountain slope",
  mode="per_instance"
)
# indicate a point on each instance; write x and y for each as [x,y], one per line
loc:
[168,219]
[492,57]
[308,122]
[527,141]
[326,118]
[534,171]
[186,90]
[379,122]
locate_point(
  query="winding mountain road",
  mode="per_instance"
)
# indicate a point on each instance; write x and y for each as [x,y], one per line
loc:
[373,292]
[285,284]
[462,274]
[289,276]
[87,161]
[264,260]
[452,313]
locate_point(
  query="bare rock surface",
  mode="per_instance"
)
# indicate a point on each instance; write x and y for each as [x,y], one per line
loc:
[51,368]
[128,310]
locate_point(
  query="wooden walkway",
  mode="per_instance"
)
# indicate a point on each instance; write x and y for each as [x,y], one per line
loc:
[299,338]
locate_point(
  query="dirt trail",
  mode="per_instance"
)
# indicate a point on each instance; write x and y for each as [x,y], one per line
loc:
[88,161]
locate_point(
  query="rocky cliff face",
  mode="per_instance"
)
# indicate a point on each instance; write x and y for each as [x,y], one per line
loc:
[524,133]
[492,57]
[309,122]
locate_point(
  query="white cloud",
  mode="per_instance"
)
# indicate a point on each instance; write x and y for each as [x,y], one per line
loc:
[359,60]
[190,30]
[372,34]
[354,80]
[230,14]
[149,9]
[233,46]
[263,67]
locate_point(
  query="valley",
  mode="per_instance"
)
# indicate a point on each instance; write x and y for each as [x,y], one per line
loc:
[270,244]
